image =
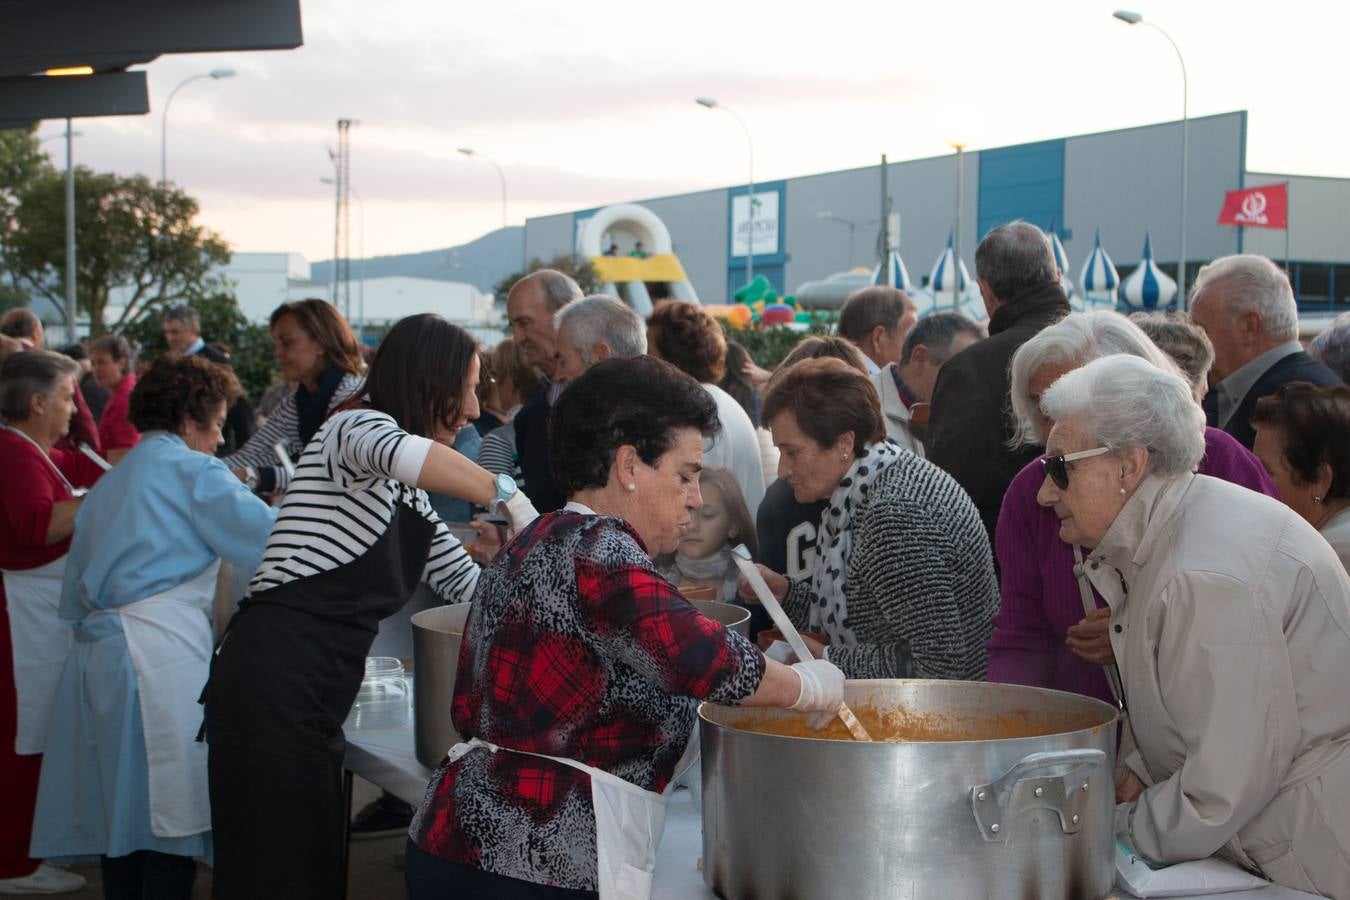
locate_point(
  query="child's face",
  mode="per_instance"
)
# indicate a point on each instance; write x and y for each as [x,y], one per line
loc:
[707,532]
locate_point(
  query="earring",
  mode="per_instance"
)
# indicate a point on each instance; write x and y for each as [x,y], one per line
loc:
[1122,492]
[1317,499]
[843,457]
[630,487]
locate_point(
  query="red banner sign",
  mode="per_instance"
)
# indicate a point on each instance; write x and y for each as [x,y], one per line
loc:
[1259,207]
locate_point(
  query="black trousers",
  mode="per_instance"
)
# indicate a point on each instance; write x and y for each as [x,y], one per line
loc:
[148,875]
[431,878]
[280,688]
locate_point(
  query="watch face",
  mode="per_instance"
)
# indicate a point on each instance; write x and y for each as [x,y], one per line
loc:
[506,487]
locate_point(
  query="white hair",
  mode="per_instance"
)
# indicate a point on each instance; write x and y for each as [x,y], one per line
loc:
[1076,339]
[1123,401]
[602,318]
[1253,283]
[1332,347]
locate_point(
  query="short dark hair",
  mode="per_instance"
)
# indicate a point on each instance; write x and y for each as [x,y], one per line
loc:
[180,388]
[185,314]
[869,307]
[636,400]
[1013,258]
[687,336]
[419,372]
[828,397]
[937,331]
[117,348]
[20,322]
[323,323]
[30,372]
[735,383]
[1315,422]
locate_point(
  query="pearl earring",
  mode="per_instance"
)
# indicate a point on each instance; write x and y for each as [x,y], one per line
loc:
[631,487]
[1122,492]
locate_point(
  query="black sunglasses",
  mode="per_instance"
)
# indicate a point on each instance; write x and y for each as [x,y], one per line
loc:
[1057,467]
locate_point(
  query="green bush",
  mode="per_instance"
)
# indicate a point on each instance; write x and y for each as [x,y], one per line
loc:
[768,346]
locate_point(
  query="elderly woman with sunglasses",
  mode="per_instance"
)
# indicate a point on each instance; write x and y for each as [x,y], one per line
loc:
[1233,642]
[1044,634]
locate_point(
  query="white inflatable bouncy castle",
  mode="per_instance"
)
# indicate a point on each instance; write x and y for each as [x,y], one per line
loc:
[634,278]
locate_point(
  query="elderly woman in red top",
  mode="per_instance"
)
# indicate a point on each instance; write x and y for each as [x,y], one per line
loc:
[37,517]
[581,666]
[110,356]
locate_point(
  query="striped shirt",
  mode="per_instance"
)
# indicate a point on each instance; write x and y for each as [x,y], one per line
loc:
[283,427]
[343,497]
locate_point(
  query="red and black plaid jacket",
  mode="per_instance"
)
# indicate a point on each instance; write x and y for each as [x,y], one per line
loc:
[576,647]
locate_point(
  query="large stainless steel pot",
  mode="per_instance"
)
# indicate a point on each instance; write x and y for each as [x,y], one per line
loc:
[1027,817]
[437,634]
[736,618]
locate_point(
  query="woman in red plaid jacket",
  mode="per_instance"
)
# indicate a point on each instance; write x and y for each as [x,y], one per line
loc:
[581,666]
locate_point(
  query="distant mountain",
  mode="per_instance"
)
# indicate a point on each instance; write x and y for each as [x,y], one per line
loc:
[482,262]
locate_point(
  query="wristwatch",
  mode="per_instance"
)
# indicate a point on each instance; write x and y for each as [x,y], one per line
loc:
[506,489]
[251,478]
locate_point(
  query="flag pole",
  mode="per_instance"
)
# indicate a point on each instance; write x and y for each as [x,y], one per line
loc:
[1288,269]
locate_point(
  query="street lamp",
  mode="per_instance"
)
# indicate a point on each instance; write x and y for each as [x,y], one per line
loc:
[960,149]
[852,227]
[1134,18]
[215,74]
[469,151]
[361,249]
[710,103]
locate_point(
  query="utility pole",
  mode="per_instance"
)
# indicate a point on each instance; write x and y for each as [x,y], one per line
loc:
[884,247]
[342,265]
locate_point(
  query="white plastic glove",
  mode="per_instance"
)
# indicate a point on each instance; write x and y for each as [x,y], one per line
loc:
[519,511]
[822,690]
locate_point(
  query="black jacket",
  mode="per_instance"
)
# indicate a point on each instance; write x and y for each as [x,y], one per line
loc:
[971,421]
[239,420]
[532,450]
[1294,367]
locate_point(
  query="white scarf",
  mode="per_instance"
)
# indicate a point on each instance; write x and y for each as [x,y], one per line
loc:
[834,543]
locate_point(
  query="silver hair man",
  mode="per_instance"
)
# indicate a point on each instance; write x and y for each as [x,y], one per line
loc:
[595,328]
[1332,346]
[1012,259]
[1071,342]
[1252,284]
[1124,401]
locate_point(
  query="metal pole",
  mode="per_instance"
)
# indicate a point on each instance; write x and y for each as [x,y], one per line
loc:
[750,196]
[337,228]
[956,239]
[884,250]
[71,309]
[502,177]
[1185,158]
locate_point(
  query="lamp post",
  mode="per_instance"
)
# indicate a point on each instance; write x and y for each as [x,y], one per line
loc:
[361,250]
[710,103]
[852,227]
[72,310]
[469,151]
[1134,18]
[215,74]
[960,149]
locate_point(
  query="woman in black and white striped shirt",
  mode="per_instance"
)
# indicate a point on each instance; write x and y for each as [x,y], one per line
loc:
[317,352]
[354,536]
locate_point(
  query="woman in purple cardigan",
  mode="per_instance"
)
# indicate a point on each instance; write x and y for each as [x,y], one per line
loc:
[1042,636]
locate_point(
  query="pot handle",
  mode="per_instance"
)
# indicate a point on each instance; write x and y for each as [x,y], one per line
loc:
[1055,780]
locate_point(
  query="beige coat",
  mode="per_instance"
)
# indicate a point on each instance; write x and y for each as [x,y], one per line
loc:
[894,412]
[1230,621]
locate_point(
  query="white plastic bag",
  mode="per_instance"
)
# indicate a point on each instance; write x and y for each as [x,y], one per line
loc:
[1188,879]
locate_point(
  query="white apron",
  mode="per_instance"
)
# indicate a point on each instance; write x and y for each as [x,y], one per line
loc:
[41,641]
[628,825]
[169,638]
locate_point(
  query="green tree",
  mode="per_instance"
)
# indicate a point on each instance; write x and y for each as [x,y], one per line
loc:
[21,161]
[250,345]
[131,234]
[579,267]
[768,346]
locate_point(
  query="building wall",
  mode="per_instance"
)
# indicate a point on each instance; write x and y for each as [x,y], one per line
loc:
[1319,220]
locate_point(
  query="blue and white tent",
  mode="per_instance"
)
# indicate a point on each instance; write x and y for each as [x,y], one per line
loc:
[948,273]
[1148,288]
[894,273]
[1099,279]
[1061,260]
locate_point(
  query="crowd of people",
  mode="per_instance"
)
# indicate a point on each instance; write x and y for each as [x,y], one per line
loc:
[1153,511]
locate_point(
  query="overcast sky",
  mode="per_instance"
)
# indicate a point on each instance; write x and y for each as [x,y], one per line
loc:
[586,103]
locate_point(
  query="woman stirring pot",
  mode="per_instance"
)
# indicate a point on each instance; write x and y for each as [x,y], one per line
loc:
[581,666]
